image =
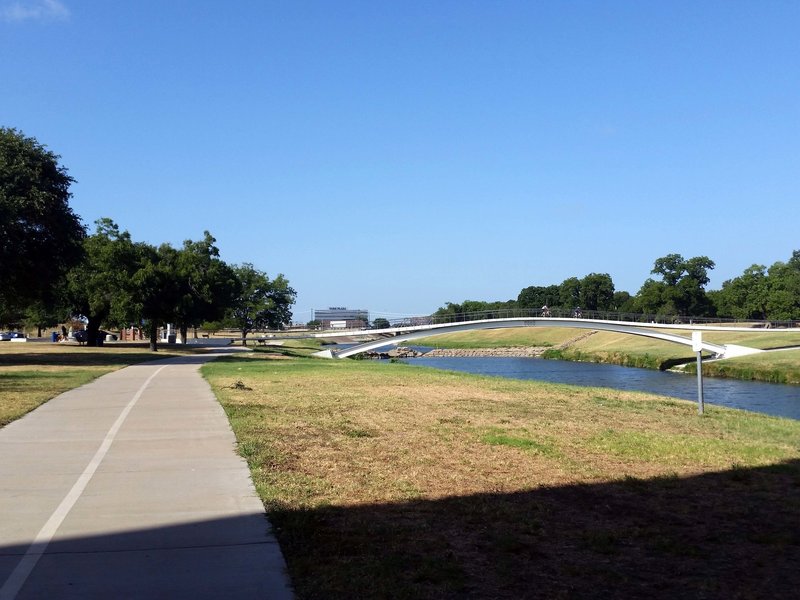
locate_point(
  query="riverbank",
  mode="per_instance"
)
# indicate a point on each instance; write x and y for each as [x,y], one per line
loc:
[389,480]
[770,367]
[514,352]
[627,350]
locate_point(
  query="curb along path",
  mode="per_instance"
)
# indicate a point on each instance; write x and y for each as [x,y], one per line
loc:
[130,487]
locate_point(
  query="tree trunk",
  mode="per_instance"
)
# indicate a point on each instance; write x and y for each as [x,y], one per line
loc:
[153,336]
[244,337]
[92,327]
[185,334]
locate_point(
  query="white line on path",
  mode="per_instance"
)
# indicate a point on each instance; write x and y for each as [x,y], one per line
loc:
[35,551]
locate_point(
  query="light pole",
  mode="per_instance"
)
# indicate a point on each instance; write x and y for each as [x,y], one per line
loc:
[697,346]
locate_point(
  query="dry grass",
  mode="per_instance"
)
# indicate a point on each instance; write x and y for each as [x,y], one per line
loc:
[397,481]
[32,373]
[502,338]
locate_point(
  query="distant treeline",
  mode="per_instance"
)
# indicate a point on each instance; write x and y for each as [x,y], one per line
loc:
[677,288]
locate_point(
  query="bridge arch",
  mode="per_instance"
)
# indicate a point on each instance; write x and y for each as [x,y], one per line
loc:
[406,334]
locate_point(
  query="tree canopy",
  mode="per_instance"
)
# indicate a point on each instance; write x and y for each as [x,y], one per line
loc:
[261,303]
[681,290]
[40,235]
[597,291]
[101,287]
[762,293]
[207,286]
[537,296]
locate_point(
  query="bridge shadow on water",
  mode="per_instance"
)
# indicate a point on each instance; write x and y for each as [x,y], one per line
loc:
[733,534]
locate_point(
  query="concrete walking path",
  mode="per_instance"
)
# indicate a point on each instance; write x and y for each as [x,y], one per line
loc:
[130,487]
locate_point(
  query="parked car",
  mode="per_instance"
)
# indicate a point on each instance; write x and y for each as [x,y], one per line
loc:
[10,335]
[82,336]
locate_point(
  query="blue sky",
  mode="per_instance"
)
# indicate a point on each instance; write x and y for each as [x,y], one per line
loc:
[397,155]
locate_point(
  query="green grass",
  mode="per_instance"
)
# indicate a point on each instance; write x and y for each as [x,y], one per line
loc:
[498,437]
[500,338]
[389,480]
[772,367]
[291,348]
[672,449]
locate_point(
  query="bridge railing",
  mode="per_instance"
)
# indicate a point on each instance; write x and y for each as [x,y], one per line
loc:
[563,313]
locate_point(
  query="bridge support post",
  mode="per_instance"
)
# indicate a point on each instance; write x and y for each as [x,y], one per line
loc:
[700,383]
[697,346]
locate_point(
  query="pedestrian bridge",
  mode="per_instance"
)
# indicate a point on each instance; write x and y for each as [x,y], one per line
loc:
[665,332]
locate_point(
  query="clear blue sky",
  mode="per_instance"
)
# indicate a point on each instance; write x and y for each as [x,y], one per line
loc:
[395,155]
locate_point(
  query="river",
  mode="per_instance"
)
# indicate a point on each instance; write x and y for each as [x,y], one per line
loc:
[769,398]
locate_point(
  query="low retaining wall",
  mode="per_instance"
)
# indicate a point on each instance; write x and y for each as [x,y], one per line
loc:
[519,352]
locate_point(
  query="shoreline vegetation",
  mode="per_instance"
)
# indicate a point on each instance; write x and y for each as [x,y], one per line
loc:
[394,480]
[628,351]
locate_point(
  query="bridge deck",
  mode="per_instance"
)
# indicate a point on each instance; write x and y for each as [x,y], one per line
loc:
[666,332]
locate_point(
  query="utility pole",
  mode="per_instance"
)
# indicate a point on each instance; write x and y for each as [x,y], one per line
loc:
[697,346]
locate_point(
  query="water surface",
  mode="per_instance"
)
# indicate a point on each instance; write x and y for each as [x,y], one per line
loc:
[769,398]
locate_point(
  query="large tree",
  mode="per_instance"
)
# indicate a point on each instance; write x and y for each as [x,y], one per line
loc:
[467,309]
[208,286]
[381,323]
[40,236]
[744,297]
[597,291]
[622,302]
[262,303]
[569,293]
[537,296]
[158,289]
[784,289]
[101,288]
[41,314]
[681,290]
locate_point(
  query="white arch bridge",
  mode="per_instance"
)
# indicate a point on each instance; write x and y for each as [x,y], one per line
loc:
[398,335]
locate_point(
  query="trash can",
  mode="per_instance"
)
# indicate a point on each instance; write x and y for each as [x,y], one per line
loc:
[54,336]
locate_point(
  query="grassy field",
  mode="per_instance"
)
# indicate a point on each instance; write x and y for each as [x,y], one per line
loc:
[501,338]
[389,480]
[32,373]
